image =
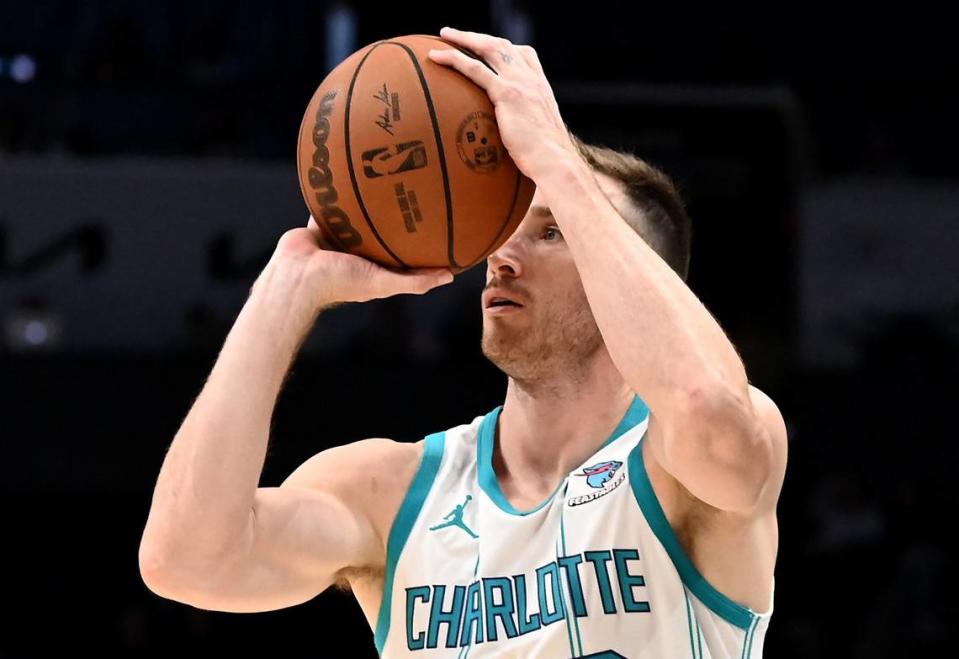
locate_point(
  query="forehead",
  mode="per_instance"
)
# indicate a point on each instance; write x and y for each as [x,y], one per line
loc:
[614,190]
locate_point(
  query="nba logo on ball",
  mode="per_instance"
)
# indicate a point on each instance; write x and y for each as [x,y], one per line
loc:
[478,142]
[386,160]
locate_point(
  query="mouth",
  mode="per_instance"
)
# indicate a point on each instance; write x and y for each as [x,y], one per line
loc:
[500,302]
[497,305]
[497,300]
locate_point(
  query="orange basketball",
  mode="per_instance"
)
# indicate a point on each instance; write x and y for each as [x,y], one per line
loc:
[400,160]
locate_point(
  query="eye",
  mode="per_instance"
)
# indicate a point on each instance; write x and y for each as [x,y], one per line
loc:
[552,233]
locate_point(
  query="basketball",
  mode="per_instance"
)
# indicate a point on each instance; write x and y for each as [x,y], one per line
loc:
[400,160]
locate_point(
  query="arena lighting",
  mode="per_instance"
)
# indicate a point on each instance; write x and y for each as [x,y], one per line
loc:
[32,328]
[20,68]
[36,332]
[341,28]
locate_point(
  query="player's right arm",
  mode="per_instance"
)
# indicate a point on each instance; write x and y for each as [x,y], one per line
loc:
[331,515]
[213,538]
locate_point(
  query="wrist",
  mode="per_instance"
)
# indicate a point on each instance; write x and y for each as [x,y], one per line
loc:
[557,161]
[300,279]
[566,174]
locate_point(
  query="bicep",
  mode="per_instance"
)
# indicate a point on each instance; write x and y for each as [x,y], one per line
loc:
[296,543]
[299,539]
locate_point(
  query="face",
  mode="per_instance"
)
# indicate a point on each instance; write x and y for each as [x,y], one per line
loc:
[553,333]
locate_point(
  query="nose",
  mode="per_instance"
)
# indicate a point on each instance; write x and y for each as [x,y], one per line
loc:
[506,261]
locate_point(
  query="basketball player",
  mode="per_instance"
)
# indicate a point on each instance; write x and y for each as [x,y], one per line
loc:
[620,503]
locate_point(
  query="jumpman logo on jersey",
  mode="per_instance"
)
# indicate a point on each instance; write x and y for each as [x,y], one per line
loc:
[457,518]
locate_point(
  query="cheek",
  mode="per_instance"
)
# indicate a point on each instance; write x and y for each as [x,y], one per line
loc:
[567,298]
[573,296]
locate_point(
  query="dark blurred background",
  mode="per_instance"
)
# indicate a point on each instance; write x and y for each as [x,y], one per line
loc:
[147,170]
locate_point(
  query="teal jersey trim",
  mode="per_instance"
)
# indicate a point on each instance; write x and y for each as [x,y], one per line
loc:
[403,524]
[486,475]
[635,414]
[725,608]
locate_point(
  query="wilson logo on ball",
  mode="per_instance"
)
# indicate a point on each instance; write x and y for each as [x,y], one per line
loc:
[321,179]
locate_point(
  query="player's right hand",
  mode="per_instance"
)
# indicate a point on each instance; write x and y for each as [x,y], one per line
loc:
[342,277]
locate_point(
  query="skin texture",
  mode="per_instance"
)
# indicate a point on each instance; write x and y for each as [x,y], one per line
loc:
[603,318]
[717,449]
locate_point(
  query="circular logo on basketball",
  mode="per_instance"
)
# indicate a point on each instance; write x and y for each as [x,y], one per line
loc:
[478,143]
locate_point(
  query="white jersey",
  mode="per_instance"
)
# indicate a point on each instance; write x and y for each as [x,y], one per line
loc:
[594,571]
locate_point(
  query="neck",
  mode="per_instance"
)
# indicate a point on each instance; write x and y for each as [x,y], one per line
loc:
[548,428]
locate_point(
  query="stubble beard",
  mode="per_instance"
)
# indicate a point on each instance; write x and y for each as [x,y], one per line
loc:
[554,347]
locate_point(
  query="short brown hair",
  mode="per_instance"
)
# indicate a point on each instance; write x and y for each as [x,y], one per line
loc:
[656,199]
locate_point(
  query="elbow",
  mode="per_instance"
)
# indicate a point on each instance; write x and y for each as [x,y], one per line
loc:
[157,570]
[164,573]
[154,573]
[170,553]
[173,581]
[183,574]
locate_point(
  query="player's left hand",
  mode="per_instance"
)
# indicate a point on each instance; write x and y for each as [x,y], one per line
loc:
[529,122]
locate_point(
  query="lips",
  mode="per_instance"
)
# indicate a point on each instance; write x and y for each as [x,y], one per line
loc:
[495,298]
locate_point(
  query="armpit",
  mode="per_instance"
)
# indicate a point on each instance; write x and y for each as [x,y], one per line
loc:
[347,578]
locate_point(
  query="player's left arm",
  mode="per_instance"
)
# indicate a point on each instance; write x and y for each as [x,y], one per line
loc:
[715,434]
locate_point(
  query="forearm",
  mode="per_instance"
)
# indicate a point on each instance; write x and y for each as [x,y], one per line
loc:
[662,339]
[204,494]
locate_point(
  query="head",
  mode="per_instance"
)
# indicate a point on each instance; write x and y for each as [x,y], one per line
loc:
[553,334]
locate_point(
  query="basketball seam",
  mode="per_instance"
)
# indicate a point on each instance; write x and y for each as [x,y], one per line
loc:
[349,160]
[512,209]
[439,147]
[509,217]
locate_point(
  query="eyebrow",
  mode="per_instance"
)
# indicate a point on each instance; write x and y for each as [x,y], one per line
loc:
[540,211]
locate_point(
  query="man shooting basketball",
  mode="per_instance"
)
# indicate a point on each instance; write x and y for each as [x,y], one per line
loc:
[620,503]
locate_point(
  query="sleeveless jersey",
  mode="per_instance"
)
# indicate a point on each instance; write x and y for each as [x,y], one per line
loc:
[594,571]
